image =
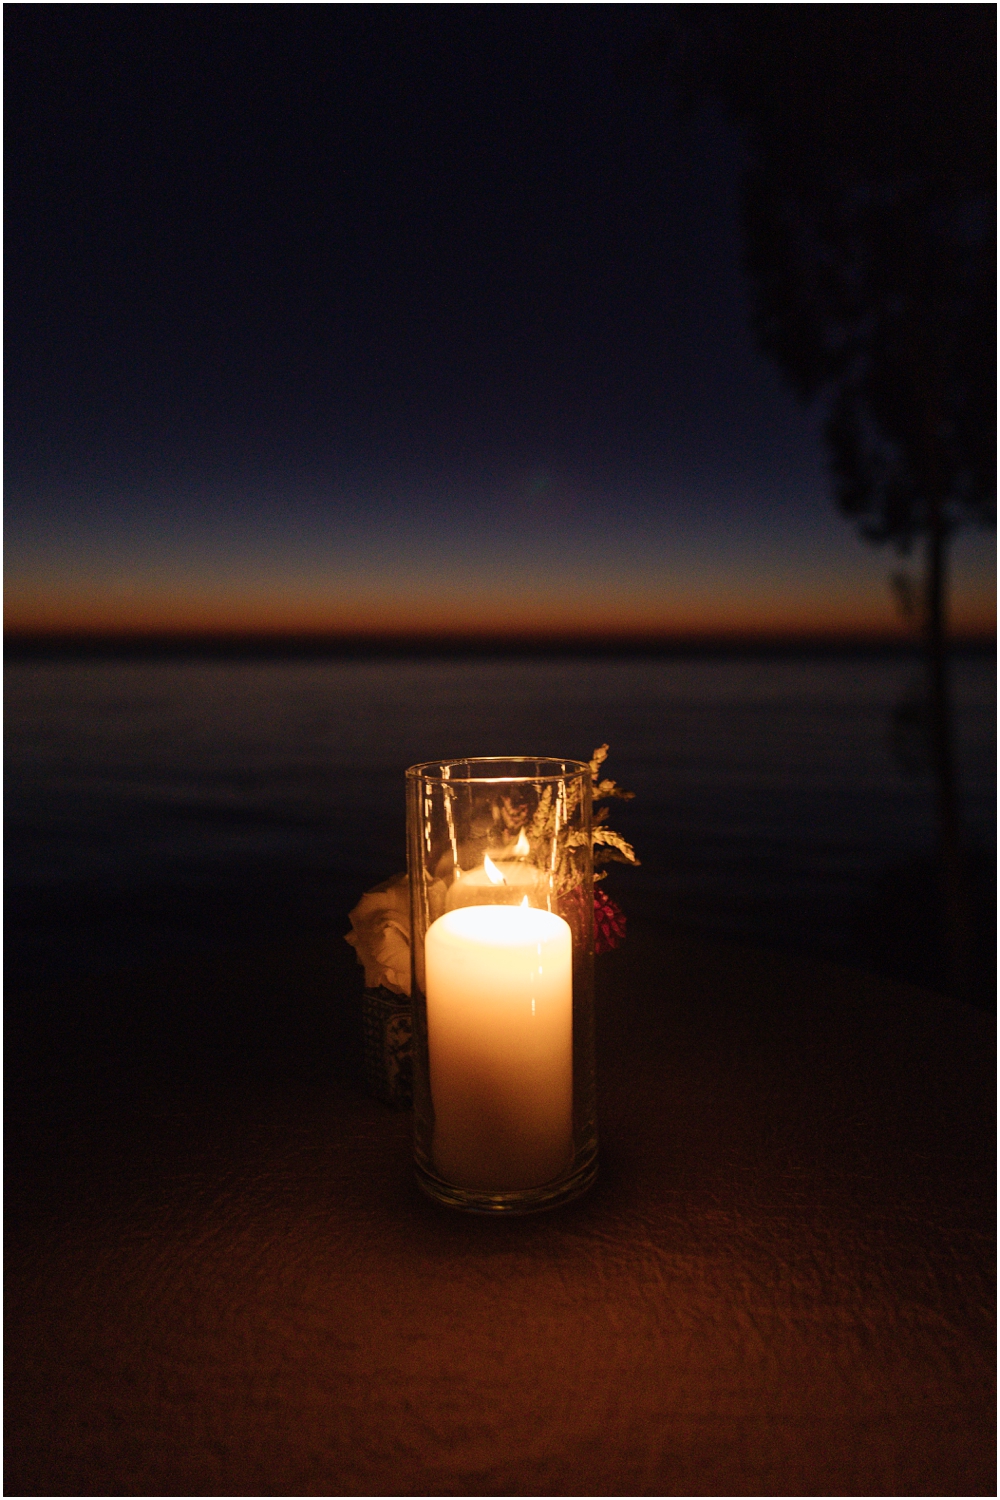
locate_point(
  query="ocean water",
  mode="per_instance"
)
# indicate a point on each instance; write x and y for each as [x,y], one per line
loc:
[164,806]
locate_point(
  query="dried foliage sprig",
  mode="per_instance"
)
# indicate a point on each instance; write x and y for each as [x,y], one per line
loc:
[551,818]
[613,846]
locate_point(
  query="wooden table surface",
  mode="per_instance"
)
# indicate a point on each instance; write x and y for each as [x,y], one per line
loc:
[222,1279]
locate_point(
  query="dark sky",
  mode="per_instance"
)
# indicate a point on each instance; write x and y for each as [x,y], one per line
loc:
[425,316]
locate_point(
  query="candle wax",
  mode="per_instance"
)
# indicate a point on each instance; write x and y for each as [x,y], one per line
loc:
[500,1043]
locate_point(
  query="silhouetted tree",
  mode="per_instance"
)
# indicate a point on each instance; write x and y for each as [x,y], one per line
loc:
[869,204]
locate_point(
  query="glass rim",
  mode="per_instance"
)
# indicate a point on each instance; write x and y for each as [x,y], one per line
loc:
[570,769]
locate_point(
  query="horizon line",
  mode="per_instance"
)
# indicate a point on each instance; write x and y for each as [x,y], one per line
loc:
[35,642]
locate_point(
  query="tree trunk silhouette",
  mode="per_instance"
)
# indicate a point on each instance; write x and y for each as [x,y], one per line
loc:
[955,907]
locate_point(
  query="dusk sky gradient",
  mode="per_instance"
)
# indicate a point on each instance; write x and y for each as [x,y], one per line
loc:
[401,318]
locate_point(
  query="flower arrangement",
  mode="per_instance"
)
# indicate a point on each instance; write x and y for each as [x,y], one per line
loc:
[380,923]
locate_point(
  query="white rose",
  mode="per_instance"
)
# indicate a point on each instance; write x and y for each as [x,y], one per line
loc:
[381,934]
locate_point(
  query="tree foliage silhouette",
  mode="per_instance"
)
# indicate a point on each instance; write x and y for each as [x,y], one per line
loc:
[869,211]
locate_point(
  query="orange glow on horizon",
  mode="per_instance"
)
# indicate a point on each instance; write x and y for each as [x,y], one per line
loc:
[27,614]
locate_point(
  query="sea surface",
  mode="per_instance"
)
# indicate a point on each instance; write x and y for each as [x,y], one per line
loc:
[157,807]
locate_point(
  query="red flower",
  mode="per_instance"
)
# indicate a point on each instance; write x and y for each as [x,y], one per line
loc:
[609,919]
[609,922]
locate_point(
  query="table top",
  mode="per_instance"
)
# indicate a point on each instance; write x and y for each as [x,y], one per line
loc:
[222,1278]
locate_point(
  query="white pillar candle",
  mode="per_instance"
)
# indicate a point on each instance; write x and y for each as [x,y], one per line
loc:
[500,1043]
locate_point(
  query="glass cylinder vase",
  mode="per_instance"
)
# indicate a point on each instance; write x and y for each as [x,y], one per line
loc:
[502,922]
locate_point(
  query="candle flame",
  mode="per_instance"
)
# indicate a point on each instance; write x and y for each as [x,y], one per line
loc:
[522,847]
[492,872]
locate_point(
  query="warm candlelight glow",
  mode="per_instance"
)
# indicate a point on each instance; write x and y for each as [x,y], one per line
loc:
[500,1038]
[491,883]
